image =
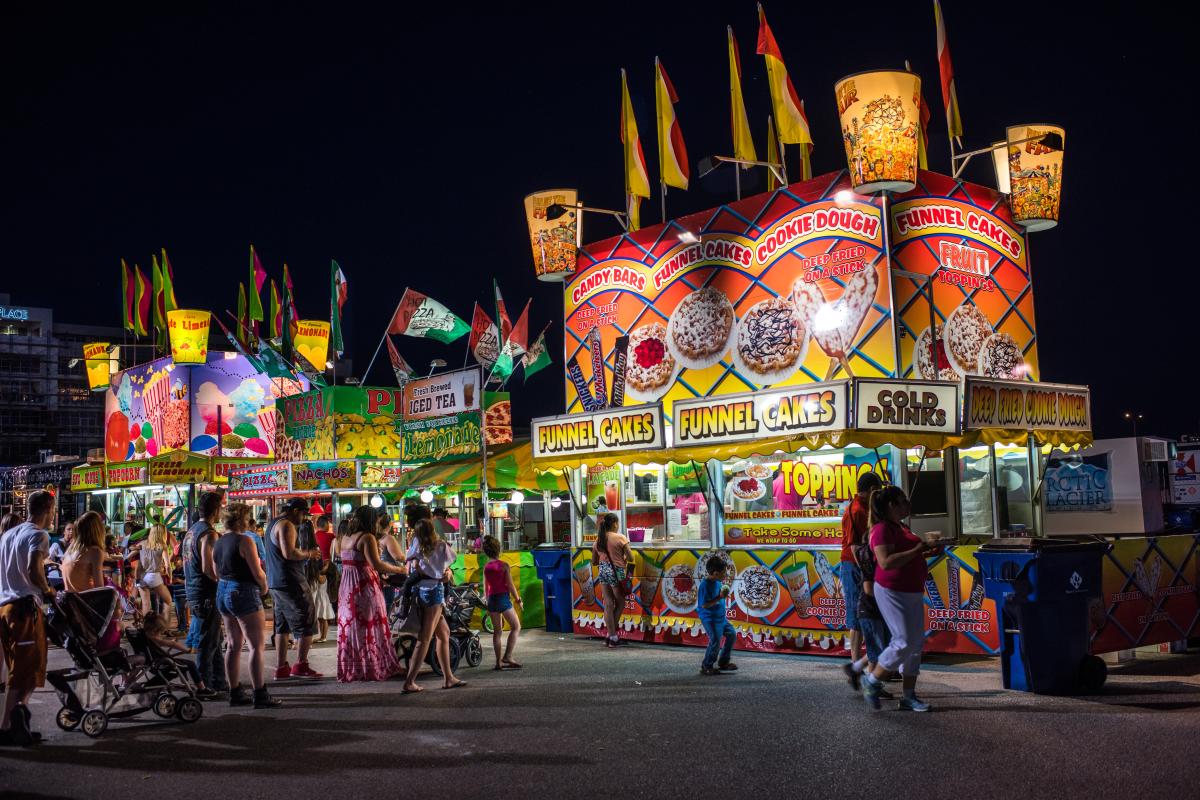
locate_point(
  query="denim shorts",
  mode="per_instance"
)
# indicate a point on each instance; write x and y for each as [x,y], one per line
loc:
[499,603]
[238,599]
[429,596]
[875,635]
[851,577]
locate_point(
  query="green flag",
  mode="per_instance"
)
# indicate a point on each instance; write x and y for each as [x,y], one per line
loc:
[243,323]
[537,357]
[426,318]
[257,276]
[338,291]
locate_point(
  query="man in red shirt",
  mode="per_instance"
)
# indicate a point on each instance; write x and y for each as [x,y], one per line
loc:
[855,526]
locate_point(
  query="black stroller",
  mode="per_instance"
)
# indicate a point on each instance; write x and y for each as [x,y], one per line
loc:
[461,602]
[109,683]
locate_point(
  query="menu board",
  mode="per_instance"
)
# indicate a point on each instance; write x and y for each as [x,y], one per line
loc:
[810,408]
[911,406]
[614,430]
[1026,406]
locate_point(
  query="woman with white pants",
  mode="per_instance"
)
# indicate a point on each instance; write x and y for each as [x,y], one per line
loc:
[900,593]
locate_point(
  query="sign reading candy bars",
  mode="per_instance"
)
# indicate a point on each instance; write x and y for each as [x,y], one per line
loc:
[613,430]
[1017,405]
[811,408]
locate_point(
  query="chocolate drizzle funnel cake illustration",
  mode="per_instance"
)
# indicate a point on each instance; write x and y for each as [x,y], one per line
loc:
[758,589]
[1000,357]
[772,338]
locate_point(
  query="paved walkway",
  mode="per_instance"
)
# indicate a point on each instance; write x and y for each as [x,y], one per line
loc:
[584,722]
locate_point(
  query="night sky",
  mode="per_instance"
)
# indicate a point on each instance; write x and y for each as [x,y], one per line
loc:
[403,145]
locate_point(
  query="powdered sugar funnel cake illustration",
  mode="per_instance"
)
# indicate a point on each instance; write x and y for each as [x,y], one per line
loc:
[966,331]
[701,328]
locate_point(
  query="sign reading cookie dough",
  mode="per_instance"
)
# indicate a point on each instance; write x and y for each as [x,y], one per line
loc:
[916,406]
[614,430]
[810,408]
[1017,405]
[782,289]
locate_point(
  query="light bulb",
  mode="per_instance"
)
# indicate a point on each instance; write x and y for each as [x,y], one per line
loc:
[377,501]
[555,502]
[426,496]
[518,497]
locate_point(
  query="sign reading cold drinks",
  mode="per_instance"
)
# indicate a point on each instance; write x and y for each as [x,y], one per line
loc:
[915,406]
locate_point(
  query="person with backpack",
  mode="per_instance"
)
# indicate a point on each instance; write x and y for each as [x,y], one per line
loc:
[611,551]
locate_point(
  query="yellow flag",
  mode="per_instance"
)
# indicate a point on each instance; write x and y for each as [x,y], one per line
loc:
[772,155]
[637,183]
[672,154]
[743,142]
[789,113]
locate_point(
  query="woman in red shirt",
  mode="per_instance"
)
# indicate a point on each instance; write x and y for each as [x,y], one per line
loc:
[900,594]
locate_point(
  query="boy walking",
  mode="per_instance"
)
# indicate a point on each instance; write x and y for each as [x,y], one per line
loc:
[875,633]
[710,607]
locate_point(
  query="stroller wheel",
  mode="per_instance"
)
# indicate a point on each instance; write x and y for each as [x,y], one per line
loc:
[456,652]
[405,645]
[67,719]
[94,723]
[164,705]
[474,652]
[487,623]
[189,709]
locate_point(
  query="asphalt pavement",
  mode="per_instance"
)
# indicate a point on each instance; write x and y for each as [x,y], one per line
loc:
[580,721]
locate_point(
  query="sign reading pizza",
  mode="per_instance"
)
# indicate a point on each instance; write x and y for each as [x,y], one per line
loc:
[804,409]
[1016,405]
[911,406]
[263,480]
[615,430]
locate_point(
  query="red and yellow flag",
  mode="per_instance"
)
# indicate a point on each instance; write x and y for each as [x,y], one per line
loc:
[126,297]
[743,141]
[672,154]
[923,136]
[141,302]
[158,313]
[789,113]
[949,96]
[637,181]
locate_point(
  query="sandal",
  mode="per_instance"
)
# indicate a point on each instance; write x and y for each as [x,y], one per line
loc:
[411,691]
[457,685]
[511,664]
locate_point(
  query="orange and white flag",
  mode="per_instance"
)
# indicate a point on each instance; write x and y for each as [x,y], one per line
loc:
[637,182]
[946,69]
[672,154]
[743,141]
[789,112]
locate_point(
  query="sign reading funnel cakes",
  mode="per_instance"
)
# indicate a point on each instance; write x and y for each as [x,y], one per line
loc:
[650,367]
[966,330]
[757,591]
[771,341]
[701,328]
[1000,357]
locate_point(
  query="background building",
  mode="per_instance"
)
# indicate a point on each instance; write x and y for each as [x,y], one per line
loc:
[45,406]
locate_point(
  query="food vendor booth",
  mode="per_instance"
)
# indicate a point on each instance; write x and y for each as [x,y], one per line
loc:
[760,363]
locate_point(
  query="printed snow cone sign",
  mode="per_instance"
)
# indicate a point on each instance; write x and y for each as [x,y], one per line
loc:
[553,240]
[188,329]
[880,114]
[1035,174]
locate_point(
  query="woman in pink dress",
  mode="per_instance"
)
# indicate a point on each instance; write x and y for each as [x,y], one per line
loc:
[364,637]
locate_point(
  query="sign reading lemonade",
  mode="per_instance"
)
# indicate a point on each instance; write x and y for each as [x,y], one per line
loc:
[99,365]
[312,342]
[188,329]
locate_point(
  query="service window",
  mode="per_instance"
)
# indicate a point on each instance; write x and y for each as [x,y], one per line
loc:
[927,482]
[975,490]
[1014,492]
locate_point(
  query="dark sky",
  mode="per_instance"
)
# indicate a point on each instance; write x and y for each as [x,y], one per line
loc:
[401,143]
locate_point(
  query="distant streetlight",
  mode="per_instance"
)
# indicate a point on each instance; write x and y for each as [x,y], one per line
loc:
[1133,418]
[437,363]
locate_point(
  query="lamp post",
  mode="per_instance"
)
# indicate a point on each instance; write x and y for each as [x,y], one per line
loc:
[1133,418]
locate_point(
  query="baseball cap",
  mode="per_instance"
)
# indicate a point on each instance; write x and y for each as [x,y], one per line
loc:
[296,504]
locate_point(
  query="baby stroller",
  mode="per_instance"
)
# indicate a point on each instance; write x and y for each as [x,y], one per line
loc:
[109,683]
[460,604]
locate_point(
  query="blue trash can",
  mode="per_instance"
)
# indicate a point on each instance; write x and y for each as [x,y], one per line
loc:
[1044,590]
[553,563]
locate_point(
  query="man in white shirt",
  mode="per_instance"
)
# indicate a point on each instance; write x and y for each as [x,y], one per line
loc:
[23,553]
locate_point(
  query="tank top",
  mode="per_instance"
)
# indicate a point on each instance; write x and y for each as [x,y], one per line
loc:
[385,555]
[493,578]
[231,564]
[282,573]
[152,559]
[197,585]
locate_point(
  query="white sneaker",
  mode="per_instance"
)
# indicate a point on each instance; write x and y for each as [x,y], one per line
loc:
[914,703]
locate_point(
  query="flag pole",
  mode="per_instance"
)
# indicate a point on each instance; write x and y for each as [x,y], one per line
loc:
[379,346]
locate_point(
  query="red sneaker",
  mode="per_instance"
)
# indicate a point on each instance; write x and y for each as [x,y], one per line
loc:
[303,670]
[283,673]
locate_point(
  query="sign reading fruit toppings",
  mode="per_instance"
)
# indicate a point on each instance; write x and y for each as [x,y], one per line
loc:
[630,428]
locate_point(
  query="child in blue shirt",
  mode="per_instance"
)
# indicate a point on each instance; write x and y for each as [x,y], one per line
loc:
[710,607]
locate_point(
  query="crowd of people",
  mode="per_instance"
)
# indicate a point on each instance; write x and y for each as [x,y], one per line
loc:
[314,575]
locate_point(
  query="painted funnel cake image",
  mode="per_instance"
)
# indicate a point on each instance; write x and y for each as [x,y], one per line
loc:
[701,327]
[930,359]
[650,365]
[966,331]
[771,340]
[1000,357]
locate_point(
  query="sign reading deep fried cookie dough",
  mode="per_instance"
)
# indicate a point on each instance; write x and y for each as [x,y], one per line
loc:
[613,430]
[1026,406]
[753,415]
[917,406]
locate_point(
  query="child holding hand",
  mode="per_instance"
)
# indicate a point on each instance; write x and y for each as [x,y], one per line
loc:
[710,607]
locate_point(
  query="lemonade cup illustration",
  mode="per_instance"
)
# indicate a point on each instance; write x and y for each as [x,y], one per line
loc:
[612,495]
[650,577]
[796,577]
[583,576]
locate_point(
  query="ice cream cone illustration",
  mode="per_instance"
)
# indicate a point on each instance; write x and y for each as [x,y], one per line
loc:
[650,575]
[797,582]
[583,576]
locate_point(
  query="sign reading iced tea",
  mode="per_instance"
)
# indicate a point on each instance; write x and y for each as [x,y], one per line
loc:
[615,430]
[443,395]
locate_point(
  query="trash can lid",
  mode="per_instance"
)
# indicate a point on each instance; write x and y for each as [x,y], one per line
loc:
[553,546]
[1029,544]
